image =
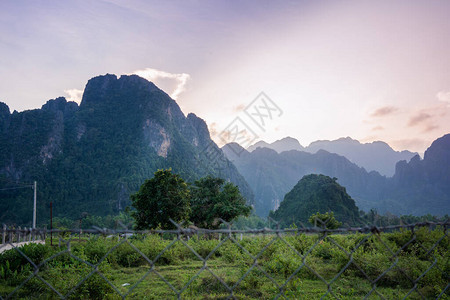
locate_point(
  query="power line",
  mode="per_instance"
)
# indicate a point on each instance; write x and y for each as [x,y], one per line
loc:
[18,187]
[7,181]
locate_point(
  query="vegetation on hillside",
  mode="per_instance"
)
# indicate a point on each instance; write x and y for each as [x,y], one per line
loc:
[90,158]
[316,194]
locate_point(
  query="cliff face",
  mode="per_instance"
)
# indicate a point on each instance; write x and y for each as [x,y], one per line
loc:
[424,185]
[32,137]
[437,162]
[90,158]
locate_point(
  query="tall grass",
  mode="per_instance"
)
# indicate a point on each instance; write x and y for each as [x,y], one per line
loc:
[394,262]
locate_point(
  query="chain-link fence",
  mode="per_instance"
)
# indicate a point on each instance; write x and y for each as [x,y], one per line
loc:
[395,262]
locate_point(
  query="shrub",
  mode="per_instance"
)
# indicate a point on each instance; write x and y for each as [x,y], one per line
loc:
[231,252]
[35,252]
[284,263]
[96,248]
[204,246]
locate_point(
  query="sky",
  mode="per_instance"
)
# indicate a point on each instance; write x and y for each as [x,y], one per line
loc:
[312,70]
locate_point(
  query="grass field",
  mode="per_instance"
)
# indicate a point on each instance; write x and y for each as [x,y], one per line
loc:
[338,266]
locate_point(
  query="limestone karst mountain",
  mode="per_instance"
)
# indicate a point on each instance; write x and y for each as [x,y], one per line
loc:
[418,187]
[89,158]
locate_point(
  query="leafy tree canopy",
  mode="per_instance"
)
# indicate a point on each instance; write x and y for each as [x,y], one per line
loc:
[213,198]
[167,196]
[164,196]
[326,220]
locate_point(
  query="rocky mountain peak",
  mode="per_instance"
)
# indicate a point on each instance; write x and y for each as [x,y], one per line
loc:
[4,109]
[259,144]
[234,151]
[62,105]
[284,144]
[102,87]
[4,116]
[439,149]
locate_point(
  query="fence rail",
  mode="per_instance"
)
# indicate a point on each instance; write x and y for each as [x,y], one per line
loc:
[394,262]
[19,235]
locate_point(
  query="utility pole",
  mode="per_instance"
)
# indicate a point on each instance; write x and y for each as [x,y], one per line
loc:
[34,206]
[51,223]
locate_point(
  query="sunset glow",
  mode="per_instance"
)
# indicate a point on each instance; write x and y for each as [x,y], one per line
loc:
[369,70]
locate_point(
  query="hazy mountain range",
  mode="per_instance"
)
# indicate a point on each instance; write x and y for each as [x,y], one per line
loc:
[376,156]
[418,187]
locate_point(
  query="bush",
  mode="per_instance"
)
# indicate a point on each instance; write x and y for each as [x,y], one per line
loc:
[301,243]
[204,246]
[230,252]
[35,252]
[284,263]
[96,248]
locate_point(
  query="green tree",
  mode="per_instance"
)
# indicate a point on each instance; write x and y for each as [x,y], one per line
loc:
[212,198]
[326,220]
[164,196]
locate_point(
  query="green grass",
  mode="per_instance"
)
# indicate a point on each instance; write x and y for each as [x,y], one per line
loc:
[312,258]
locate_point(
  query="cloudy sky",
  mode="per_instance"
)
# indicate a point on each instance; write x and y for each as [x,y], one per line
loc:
[371,70]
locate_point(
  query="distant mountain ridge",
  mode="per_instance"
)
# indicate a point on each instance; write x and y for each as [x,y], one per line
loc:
[417,187]
[376,156]
[271,175]
[89,158]
[285,144]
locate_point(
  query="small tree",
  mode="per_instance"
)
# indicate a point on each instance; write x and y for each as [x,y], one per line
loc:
[164,196]
[326,220]
[212,198]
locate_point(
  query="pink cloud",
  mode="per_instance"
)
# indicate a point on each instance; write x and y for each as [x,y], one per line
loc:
[444,97]
[419,118]
[384,111]
[377,128]
[239,108]
[430,127]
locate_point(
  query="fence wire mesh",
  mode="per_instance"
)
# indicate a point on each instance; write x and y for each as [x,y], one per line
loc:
[393,262]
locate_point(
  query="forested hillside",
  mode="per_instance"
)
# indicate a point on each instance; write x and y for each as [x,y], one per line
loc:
[90,158]
[316,194]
